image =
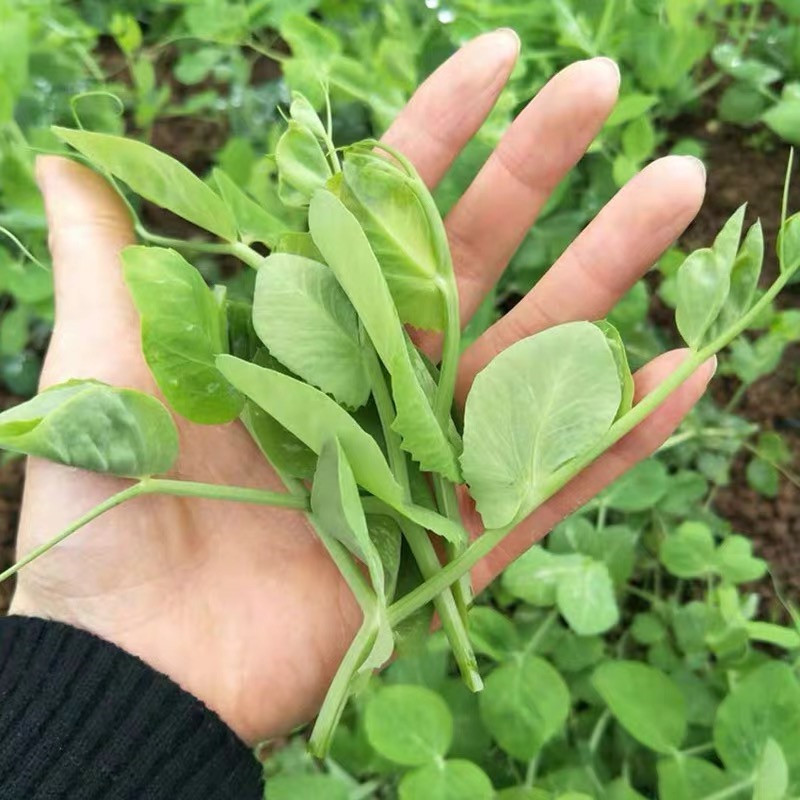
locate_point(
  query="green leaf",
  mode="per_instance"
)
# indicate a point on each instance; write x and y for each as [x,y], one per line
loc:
[446,780]
[772,774]
[302,112]
[254,223]
[744,279]
[313,418]
[409,725]
[306,787]
[734,561]
[639,139]
[763,477]
[788,638]
[704,282]
[155,176]
[585,597]
[784,119]
[788,245]
[648,628]
[623,368]
[764,705]
[309,39]
[14,332]
[93,426]
[620,789]
[645,701]
[640,488]
[346,249]
[302,166]
[689,551]
[282,449]
[387,539]
[387,204]
[336,504]
[183,331]
[569,381]
[523,705]
[306,321]
[690,779]
[630,107]
[535,575]
[298,244]
[492,633]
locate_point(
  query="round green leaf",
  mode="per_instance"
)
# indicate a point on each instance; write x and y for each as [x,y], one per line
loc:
[689,551]
[446,780]
[645,701]
[765,705]
[639,488]
[523,705]
[541,402]
[585,598]
[410,725]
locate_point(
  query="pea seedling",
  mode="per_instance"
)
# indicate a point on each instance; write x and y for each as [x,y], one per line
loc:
[323,374]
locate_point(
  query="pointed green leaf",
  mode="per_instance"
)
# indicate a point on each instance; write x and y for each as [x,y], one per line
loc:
[540,403]
[623,368]
[155,176]
[306,321]
[386,203]
[298,244]
[313,417]
[339,237]
[183,331]
[302,112]
[302,166]
[254,223]
[645,701]
[387,539]
[704,282]
[93,426]
[336,504]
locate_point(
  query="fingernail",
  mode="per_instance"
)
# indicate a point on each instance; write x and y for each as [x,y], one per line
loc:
[612,65]
[711,366]
[699,165]
[510,32]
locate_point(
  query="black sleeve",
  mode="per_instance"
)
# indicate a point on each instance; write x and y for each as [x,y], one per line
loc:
[81,719]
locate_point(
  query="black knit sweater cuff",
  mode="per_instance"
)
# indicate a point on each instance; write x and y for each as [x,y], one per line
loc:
[81,719]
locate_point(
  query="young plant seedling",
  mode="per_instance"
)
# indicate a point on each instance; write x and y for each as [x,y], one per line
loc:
[322,349]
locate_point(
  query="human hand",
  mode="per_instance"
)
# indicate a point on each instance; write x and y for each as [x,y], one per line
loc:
[240,604]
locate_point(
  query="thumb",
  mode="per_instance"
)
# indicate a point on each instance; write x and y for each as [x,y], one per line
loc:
[96,331]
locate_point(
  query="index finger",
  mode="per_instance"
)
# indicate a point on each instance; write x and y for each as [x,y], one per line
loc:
[452,104]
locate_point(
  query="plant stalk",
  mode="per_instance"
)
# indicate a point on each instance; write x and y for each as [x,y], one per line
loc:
[418,538]
[482,546]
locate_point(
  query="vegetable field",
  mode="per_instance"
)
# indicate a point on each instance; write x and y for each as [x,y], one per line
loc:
[293,276]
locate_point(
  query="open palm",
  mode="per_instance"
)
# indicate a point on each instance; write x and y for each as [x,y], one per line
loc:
[240,604]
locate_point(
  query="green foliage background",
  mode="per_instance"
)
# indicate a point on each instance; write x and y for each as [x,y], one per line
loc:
[627,656]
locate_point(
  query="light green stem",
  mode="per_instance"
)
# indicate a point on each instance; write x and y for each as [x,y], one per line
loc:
[98,510]
[451,352]
[482,546]
[339,691]
[418,538]
[237,249]
[208,491]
